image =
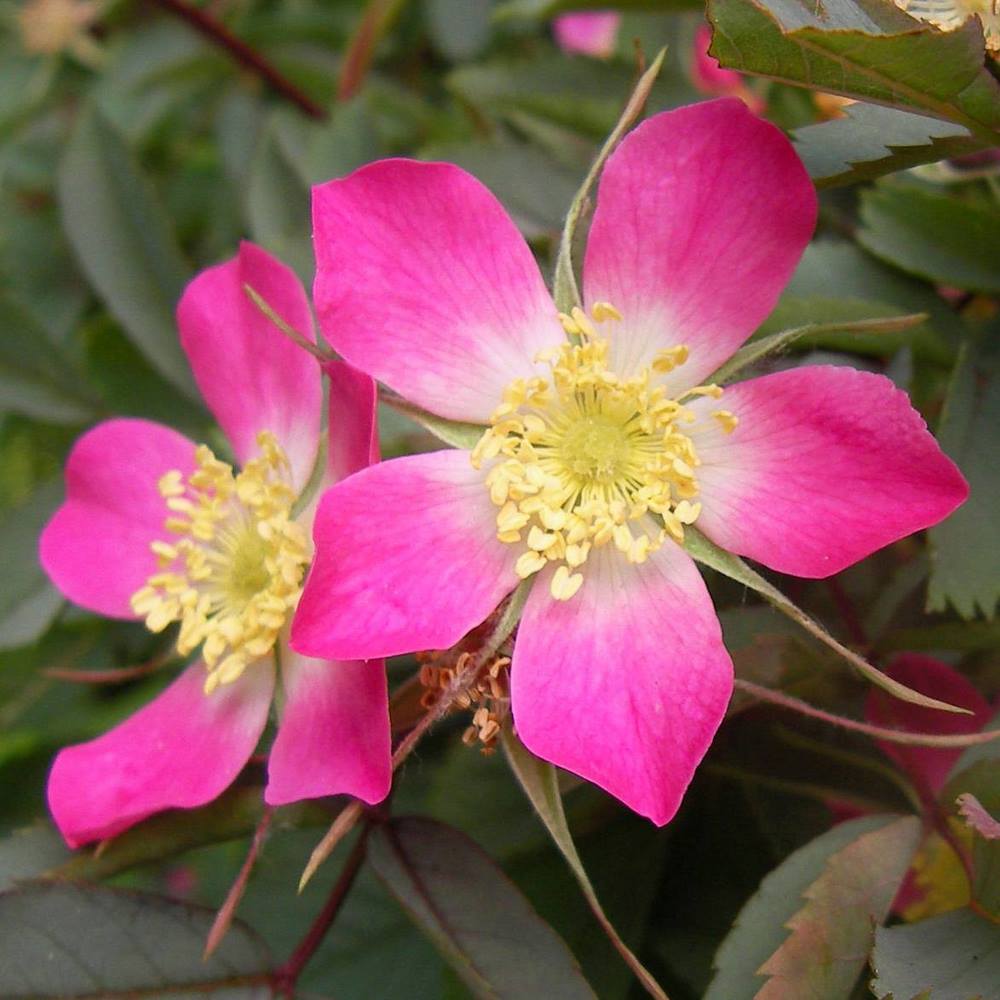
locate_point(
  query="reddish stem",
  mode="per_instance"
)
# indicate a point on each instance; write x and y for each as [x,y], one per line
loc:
[287,976]
[249,58]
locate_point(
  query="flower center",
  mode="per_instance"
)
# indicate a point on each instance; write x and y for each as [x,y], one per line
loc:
[586,457]
[235,571]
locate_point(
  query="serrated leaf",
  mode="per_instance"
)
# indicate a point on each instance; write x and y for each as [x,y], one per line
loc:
[955,956]
[705,551]
[832,934]
[475,916]
[965,548]
[760,928]
[28,602]
[870,140]
[863,49]
[63,941]
[124,243]
[935,236]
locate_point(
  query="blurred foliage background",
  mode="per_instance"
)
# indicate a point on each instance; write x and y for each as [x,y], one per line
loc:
[141,141]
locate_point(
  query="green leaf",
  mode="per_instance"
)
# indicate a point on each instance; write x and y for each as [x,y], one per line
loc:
[870,140]
[709,554]
[28,602]
[459,29]
[35,379]
[955,956]
[863,49]
[935,236]
[761,928]
[277,204]
[541,784]
[124,243]
[27,853]
[965,548]
[832,934]
[453,432]
[64,940]
[775,343]
[883,341]
[477,919]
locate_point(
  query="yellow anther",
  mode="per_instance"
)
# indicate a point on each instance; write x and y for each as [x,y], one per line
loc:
[588,457]
[714,391]
[603,311]
[529,563]
[728,420]
[669,359]
[564,585]
[236,572]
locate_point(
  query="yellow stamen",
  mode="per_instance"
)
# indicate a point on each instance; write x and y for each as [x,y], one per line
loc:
[587,457]
[235,573]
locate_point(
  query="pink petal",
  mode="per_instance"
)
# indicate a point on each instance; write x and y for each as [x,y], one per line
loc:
[927,766]
[334,735]
[96,547]
[626,683]
[353,420]
[251,375]
[180,751]
[708,76]
[592,34]
[406,559]
[425,283]
[702,215]
[826,466]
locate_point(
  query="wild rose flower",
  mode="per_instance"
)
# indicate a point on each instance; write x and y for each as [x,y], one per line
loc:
[603,446]
[591,34]
[155,527]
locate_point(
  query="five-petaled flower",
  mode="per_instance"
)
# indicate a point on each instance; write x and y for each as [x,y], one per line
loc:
[155,527]
[602,438]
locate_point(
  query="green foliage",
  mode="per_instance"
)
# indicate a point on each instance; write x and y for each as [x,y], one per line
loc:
[500,949]
[951,957]
[145,154]
[794,914]
[81,941]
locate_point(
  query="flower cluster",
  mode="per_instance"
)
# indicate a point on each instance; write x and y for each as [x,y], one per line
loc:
[604,439]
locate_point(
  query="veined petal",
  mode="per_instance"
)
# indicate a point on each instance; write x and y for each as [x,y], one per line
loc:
[591,33]
[251,375]
[702,214]
[626,682]
[180,751]
[96,547]
[424,282]
[927,766]
[407,559]
[826,465]
[334,734]
[353,420]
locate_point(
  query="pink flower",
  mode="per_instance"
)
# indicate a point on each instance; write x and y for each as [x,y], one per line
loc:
[599,449]
[156,527]
[710,78]
[591,34]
